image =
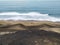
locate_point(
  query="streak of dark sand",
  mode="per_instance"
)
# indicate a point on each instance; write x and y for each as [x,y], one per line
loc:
[31,37]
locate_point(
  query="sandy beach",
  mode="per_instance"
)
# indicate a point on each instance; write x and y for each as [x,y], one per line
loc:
[23,25]
[29,32]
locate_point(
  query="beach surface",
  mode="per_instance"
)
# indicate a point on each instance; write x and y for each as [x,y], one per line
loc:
[26,25]
[29,32]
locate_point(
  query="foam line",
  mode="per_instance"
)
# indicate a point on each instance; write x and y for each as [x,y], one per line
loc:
[29,16]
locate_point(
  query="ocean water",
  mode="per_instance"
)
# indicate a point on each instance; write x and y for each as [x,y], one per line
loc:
[30,10]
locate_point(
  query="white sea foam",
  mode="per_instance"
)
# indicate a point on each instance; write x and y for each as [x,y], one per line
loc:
[29,16]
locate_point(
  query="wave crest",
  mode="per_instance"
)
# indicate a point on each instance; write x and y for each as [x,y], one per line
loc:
[29,16]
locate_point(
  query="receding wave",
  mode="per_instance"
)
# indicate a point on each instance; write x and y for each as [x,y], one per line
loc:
[28,16]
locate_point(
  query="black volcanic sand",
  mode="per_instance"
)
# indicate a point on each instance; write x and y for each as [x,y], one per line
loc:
[31,37]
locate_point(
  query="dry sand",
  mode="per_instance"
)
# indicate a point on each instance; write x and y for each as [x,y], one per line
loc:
[23,25]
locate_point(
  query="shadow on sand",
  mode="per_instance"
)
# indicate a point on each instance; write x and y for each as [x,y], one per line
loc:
[31,37]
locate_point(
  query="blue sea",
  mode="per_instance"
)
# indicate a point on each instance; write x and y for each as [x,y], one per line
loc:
[30,10]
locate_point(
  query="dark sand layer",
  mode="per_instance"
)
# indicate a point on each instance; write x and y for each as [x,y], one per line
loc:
[29,33]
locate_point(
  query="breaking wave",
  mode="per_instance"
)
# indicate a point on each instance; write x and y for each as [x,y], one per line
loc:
[28,16]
